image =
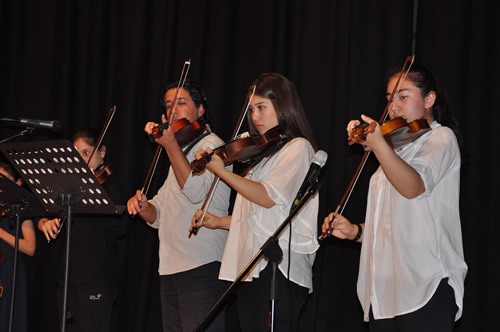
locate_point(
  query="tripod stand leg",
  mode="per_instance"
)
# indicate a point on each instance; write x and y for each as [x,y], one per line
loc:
[275,254]
[16,209]
[274,266]
[66,198]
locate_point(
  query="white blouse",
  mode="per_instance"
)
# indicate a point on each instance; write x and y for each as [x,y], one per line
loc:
[409,245]
[251,224]
[175,208]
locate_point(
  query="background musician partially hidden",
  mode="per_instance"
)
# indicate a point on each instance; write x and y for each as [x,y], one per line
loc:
[93,270]
[412,268]
[27,245]
[264,199]
[189,267]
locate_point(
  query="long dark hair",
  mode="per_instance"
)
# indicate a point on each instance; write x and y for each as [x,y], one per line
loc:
[424,80]
[292,119]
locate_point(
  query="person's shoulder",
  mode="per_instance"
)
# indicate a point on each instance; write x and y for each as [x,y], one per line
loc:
[442,132]
[212,138]
[298,147]
[299,143]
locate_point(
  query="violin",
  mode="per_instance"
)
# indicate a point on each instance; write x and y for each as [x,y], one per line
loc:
[398,128]
[103,173]
[397,132]
[241,150]
[185,132]
[185,129]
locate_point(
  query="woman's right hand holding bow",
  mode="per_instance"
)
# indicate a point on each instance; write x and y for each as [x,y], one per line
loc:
[339,227]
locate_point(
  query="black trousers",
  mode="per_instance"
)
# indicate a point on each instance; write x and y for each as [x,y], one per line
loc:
[438,315]
[254,305]
[186,297]
[89,307]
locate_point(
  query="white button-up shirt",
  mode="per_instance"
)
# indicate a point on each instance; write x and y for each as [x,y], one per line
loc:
[175,208]
[251,224]
[409,245]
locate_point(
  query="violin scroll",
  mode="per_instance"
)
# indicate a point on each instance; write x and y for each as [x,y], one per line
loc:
[358,134]
[157,132]
[198,166]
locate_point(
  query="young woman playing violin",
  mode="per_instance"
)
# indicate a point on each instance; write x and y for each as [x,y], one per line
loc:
[265,196]
[93,269]
[412,267]
[188,266]
[27,245]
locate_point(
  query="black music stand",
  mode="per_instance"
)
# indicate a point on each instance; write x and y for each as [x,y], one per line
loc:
[60,179]
[18,201]
[268,248]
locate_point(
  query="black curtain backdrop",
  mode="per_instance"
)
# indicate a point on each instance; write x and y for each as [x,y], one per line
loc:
[73,60]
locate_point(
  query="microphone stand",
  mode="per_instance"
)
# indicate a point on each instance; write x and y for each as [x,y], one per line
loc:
[16,210]
[67,202]
[25,132]
[273,239]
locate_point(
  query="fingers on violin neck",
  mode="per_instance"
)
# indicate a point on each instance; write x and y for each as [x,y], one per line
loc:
[357,135]
[371,127]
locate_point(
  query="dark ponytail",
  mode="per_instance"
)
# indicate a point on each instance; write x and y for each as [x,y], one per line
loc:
[424,80]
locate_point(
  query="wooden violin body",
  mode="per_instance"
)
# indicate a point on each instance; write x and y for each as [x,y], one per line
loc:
[397,132]
[243,149]
[184,131]
[103,173]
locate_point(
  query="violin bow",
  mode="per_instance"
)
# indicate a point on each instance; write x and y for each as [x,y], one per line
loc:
[395,92]
[211,192]
[156,158]
[345,198]
[110,116]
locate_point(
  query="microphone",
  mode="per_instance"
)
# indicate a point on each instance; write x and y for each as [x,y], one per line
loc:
[52,125]
[317,163]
